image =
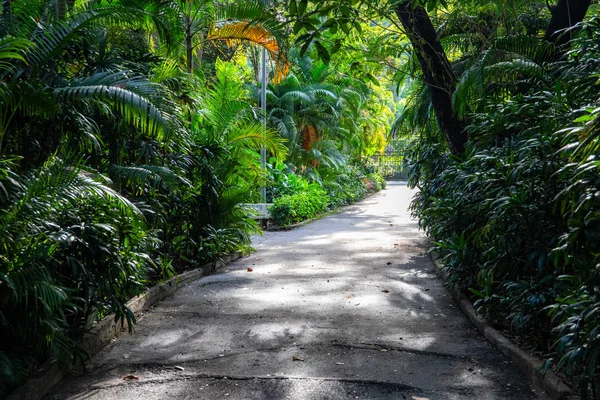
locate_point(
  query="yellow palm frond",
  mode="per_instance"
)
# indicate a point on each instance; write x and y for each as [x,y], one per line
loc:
[237,32]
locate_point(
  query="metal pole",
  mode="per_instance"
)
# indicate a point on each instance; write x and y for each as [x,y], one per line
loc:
[263,105]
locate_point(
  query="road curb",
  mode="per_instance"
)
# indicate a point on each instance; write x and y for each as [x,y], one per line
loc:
[291,227]
[103,331]
[529,365]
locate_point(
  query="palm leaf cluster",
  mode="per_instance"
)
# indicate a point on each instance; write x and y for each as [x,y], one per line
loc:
[324,117]
[118,168]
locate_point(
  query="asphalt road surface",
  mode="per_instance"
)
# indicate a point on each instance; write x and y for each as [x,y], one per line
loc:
[347,307]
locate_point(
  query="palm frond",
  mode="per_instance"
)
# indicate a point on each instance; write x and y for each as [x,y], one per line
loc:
[131,97]
[140,174]
[12,49]
[234,33]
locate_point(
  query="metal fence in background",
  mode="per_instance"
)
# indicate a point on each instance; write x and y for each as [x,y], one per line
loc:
[390,166]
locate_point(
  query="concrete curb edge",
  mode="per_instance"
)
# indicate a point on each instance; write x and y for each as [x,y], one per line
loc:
[102,332]
[279,228]
[528,364]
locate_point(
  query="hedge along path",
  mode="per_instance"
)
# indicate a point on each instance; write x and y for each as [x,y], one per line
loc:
[348,306]
[103,331]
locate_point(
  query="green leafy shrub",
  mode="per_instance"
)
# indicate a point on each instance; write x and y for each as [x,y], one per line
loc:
[346,188]
[74,249]
[377,180]
[298,207]
[284,182]
[517,217]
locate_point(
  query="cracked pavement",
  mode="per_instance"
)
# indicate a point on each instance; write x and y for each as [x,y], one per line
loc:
[347,307]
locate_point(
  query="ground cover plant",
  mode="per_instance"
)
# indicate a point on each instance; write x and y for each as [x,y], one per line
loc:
[298,207]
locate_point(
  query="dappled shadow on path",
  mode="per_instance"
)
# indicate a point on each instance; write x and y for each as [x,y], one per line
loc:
[350,298]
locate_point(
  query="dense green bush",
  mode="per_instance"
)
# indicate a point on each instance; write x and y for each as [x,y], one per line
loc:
[517,217]
[283,182]
[377,181]
[297,207]
[74,249]
[346,188]
[298,200]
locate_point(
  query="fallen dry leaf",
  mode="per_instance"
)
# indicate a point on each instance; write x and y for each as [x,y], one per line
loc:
[131,378]
[385,291]
[297,358]
[250,270]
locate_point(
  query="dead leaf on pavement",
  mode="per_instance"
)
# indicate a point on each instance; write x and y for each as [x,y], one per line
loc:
[385,291]
[250,270]
[297,358]
[131,378]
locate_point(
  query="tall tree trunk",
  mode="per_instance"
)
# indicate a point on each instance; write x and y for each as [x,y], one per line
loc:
[189,48]
[565,14]
[437,71]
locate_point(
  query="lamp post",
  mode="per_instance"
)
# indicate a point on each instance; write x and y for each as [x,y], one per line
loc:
[263,106]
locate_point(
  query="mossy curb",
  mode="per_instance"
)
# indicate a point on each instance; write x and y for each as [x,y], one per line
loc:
[529,365]
[103,331]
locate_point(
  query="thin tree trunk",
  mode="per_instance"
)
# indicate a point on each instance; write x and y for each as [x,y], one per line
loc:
[565,14]
[189,48]
[437,71]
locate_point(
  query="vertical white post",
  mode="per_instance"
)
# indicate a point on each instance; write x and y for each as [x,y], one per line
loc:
[263,106]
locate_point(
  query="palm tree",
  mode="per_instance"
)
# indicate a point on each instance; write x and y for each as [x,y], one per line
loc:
[71,239]
[194,23]
[47,91]
[229,129]
[323,115]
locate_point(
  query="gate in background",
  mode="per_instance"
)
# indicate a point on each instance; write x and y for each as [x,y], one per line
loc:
[390,166]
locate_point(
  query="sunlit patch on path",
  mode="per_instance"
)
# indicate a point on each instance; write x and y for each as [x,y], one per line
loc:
[346,307]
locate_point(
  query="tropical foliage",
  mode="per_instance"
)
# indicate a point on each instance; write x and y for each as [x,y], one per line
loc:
[514,215]
[129,152]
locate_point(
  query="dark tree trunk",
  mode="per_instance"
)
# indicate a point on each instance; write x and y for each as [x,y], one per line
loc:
[189,48]
[437,71]
[565,14]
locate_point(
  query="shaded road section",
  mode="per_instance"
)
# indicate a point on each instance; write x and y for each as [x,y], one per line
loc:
[347,307]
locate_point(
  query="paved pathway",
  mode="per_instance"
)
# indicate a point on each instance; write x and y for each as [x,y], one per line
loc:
[347,307]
